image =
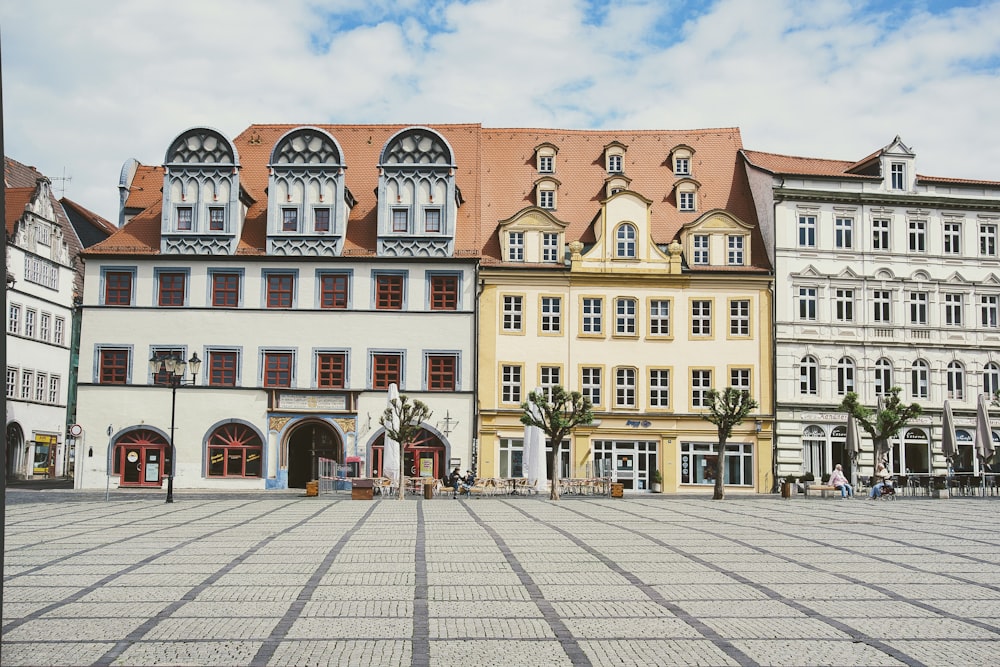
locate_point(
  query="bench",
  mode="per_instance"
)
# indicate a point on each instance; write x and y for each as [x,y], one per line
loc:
[826,491]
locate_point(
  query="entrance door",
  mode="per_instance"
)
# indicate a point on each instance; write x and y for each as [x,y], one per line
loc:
[306,444]
[141,465]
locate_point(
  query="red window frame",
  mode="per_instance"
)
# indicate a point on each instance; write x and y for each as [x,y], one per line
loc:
[171,289]
[386,370]
[234,450]
[441,372]
[280,288]
[444,292]
[118,288]
[163,377]
[333,290]
[277,369]
[388,291]
[114,366]
[321,219]
[331,370]
[222,368]
[225,290]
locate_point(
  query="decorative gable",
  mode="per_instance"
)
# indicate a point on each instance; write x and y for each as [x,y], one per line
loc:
[533,235]
[623,239]
[717,239]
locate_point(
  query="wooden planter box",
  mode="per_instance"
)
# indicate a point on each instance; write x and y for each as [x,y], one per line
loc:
[361,489]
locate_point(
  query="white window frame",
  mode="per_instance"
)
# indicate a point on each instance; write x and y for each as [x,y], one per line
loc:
[917,236]
[700,245]
[882,306]
[808,376]
[625,387]
[550,247]
[659,388]
[510,383]
[987,240]
[807,231]
[989,305]
[846,376]
[513,312]
[880,234]
[551,314]
[659,317]
[625,241]
[954,309]
[739,318]
[515,246]
[918,307]
[843,309]
[808,304]
[919,379]
[625,316]
[952,238]
[590,383]
[701,317]
[685,200]
[592,315]
[955,381]
[843,233]
[883,377]
[701,382]
[735,253]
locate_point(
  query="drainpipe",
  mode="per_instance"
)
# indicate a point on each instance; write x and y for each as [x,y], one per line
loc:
[480,284]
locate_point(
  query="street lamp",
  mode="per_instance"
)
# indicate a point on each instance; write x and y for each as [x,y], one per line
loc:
[175,367]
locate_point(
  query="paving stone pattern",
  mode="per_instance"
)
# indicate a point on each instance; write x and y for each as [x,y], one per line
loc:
[280,579]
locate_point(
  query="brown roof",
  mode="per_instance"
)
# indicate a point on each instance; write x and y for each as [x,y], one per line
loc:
[803,166]
[146,188]
[18,175]
[15,200]
[955,181]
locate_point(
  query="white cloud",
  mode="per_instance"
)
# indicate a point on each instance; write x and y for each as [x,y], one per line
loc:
[89,85]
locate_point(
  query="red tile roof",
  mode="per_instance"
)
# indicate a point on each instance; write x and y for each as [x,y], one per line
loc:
[18,175]
[15,200]
[146,188]
[804,166]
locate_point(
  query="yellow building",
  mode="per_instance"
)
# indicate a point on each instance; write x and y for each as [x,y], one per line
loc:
[627,266]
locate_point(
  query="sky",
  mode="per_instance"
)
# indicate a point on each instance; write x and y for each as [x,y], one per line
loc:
[89,85]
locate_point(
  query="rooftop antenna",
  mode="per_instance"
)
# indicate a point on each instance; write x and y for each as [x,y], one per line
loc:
[64,178]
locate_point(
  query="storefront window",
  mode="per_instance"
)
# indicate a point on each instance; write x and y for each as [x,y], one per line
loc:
[699,461]
[234,450]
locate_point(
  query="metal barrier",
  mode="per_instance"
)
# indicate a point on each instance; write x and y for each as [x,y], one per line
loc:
[332,476]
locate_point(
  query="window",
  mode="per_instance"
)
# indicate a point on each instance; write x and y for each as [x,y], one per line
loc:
[897,172]
[331,370]
[845,376]
[919,379]
[592,315]
[388,291]
[807,303]
[988,308]
[590,384]
[682,166]
[739,317]
[59,331]
[843,233]
[118,288]
[615,164]
[27,378]
[163,376]
[545,164]
[54,389]
[234,450]
[432,220]
[41,381]
[185,218]
[988,240]
[321,220]
[700,461]
[918,235]
[549,377]
[400,220]
[444,292]
[701,318]
[113,366]
[280,290]
[700,244]
[551,314]
[225,290]
[739,378]
[953,307]
[880,234]
[278,369]
[11,382]
[387,368]
[686,201]
[550,247]
[171,288]
[881,300]
[44,327]
[625,387]
[510,384]
[953,238]
[216,219]
[222,368]
[843,305]
[807,231]
[14,319]
[956,381]
[515,246]
[883,377]
[333,290]
[41,272]
[918,307]
[441,372]
[735,254]
[29,323]
[289,219]
[512,312]
[659,317]
[701,382]
[547,198]
[625,241]
[625,317]
[659,388]
[808,376]
[991,378]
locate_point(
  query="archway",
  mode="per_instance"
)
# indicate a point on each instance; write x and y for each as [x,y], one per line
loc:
[307,443]
[142,457]
[424,457]
[15,440]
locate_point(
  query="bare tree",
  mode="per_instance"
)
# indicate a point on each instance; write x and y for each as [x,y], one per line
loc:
[726,410]
[557,416]
[402,420]
[884,421]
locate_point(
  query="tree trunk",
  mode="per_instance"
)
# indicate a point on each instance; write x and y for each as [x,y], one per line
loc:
[401,495]
[720,472]
[554,474]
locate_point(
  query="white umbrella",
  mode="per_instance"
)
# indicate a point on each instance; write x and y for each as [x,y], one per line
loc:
[853,443]
[533,458]
[984,435]
[390,448]
[949,446]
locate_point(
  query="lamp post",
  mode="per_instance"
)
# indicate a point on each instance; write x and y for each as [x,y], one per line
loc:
[175,367]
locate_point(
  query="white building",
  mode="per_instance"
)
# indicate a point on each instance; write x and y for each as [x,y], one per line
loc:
[883,278]
[309,268]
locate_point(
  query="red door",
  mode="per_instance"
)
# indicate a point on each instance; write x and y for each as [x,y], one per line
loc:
[141,458]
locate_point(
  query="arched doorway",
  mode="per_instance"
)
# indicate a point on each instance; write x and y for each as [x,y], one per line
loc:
[141,458]
[424,457]
[307,443]
[15,458]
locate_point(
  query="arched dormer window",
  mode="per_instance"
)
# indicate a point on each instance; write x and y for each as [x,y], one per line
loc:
[680,160]
[686,194]
[545,158]
[625,241]
[418,197]
[614,157]
[545,193]
[200,195]
[615,184]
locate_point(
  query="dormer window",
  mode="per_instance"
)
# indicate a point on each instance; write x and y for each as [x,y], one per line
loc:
[682,166]
[185,218]
[289,220]
[701,250]
[686,191]
[515,247]
[615,164]
[616,184]
[680,158]
[625,240]
[545,164]
[545,158]
[685,201]
[547,198]
[897,172]
[614,157]
[550,247]
[735,246]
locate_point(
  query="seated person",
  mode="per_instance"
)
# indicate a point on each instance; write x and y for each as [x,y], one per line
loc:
[454,480]
[468,482]
[883,479]
[839,482]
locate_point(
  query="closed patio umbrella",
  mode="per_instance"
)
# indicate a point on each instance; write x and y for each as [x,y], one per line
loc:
[949,447]
[390,448]
[984,435]
[853,444]
[534,452]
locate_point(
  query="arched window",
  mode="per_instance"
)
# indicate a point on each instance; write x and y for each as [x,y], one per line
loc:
[991,378]
[956,381]
[845,376]
[625,241]
[883,377]
[919,383]
[814,450]
[234,450]
[808,376]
